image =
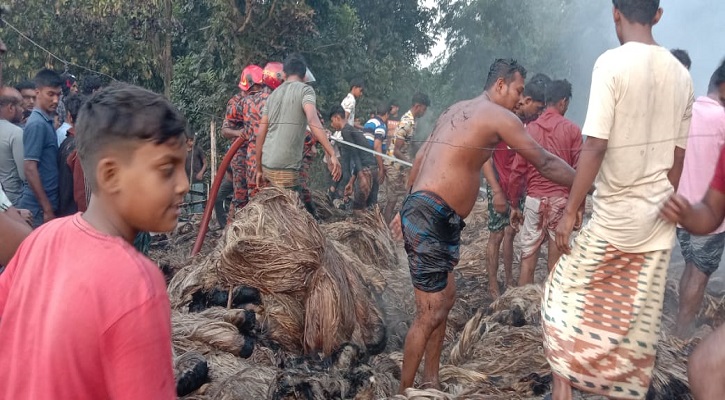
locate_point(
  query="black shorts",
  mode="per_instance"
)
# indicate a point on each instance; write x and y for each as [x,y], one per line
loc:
[703,251]
[432,235]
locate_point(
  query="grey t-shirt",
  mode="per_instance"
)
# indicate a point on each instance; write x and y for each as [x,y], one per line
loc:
[12,156]
[283,147]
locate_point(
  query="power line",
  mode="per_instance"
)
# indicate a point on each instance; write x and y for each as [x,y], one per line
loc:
[65,62]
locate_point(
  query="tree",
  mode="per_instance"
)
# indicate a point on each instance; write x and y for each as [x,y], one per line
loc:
[194,50]
[555,37]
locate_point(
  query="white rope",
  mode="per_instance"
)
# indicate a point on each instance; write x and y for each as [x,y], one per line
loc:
[371,151]
[385,156]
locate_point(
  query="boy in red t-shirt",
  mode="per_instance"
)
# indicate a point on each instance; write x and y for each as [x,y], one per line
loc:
[706,367]
[83,315]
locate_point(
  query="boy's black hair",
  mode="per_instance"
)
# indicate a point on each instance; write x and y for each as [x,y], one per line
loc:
[717,79]
[382,109]
[48,78]
[394,103]
[537,86]
[25,85]
[683,56]
[421,98]
[337,110]
[639,11]
[506,69]
[91,83]
[73,105]
[295,65]
[559,90]
[357,82]
[124,114]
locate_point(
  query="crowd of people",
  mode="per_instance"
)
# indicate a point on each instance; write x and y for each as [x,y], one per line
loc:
[85,315]
[604,293]
[275,116]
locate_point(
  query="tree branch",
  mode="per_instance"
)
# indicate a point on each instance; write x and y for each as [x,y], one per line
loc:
[269,15]
[248,17]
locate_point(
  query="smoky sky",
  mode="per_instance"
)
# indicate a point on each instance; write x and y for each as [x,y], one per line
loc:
[697,26]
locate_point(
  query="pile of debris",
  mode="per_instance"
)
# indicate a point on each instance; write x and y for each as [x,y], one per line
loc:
[296,309]
[286,308]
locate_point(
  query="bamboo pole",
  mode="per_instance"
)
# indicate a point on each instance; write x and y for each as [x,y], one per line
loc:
[212,137]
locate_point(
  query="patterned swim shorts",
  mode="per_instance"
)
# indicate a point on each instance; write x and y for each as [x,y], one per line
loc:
[703,251]
[432,236]
[498,221]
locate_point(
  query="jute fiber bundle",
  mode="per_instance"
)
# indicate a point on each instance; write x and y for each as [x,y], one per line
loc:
[191,372]
[346,374]
[217,334]
[423,394]
[182,344]
[492,353]
[272,245]
[713,310]
[283,320]
[244,320]
[669,378]
[325,210]
[340,308]
[373,277]
[369,239]
[330,306]
[223,365]
[519,306]
[488,351]
[251,382]
[185,283]
[370,331]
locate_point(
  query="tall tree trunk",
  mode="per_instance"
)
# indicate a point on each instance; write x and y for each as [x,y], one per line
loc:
[167,61]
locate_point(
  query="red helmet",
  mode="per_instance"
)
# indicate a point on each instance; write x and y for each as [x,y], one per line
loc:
[252,74]
[273,74]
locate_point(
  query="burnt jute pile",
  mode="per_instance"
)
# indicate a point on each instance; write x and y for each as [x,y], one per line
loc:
[285,308]
[281,302]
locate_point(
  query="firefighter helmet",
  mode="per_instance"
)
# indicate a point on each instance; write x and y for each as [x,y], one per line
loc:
[251,75]
[273,74]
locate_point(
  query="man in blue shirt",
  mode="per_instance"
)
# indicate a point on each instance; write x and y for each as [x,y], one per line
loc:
[40,143]
[376,132]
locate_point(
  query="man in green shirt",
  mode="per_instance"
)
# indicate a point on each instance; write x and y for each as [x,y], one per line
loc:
[289,109]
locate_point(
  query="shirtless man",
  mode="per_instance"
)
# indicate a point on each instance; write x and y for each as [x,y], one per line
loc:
[445,180]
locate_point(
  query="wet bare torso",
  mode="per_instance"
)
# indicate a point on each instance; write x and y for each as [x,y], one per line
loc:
[461,142]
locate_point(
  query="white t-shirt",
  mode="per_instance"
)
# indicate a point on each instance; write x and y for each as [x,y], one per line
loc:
[348,104]
[641,102]
[4,201]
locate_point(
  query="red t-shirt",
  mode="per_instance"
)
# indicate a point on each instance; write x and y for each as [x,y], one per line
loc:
[83,315]
[558,136]
[718,181]
[503,157]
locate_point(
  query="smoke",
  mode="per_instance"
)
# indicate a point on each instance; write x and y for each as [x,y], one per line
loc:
[694,25]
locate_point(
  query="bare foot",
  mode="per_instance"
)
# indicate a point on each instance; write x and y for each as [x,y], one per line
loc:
[561,389]
[493,290]
[396,228]
[430,384]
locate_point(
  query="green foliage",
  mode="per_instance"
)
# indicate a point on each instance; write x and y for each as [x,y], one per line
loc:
[71,29]
[200,93]
[555,37]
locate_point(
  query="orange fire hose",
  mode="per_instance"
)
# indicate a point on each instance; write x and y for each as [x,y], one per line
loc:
[204,228]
